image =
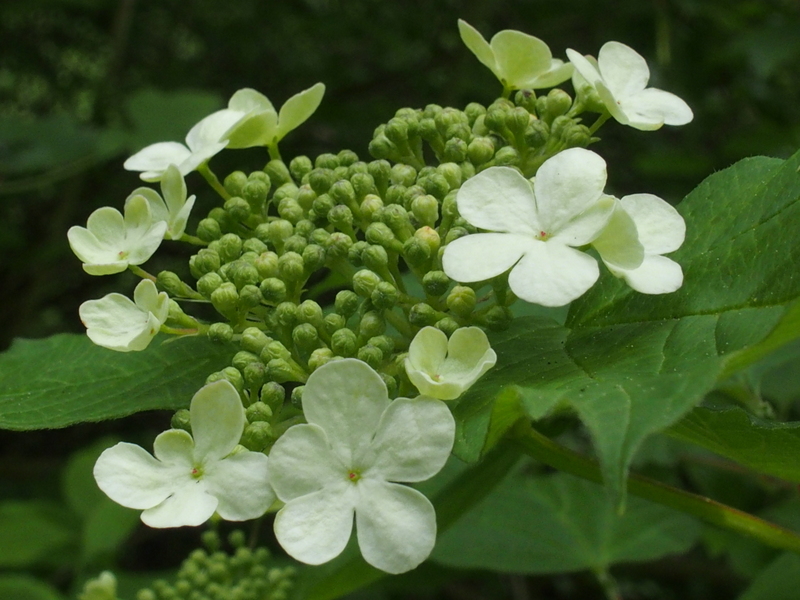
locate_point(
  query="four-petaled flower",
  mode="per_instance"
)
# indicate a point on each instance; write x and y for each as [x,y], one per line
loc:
[344,462]
[620,76]
[643,220]
[446,369]
[518,60]
[117,323]
[537,227]
[174,207]
[110,242]
[190,478]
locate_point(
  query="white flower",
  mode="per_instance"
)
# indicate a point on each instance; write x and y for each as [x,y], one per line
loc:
[191,478]
[518,60]
[620,77]
[446,369]
[203,141]
[117,323]
[111,242]
[174,207]
[648,221]
[538,225]
[259,124]
[343,462]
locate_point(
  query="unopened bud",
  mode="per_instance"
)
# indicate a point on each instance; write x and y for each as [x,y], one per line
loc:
[363,184]
[396,217]
[306,337]
[556,103]
[517,121]
[344,342]
[305,197]
[208,283]
[404,175]
[371,324]
[209,230]
[396,131]
[295,243]
[527,100]
[273,350]
[455,150]
[448,325]
[422,314]
[249,297]
[253,340]
[220,332]
[256,436]
[364,282]
[310,312]
[497,318]
[297,396]
[375,258]
[322,205]
[278,173]
[338,245]
[326,160]
[461,300]
[313,258]
[355,251]
[381,148]
[382,235]
[341,217]
[286,314]
[347,157]
[321,180]
[346,303]
[290,209]
[371,207]
[254,245]
[230,247]
[426,210]
[243,273]
[243,358]
[333,322]
[272,394]
[435,185]
[435,283]
[291,267]
[300,166]
[273,290]
[234,183]
[230,374]
[266,264]
[226,299]
[480,150]
[370,355]
[384,295]
[319,357]
[181,420]
[255,193]
[536,134]
[416,253]
[172,284]
[507,156]
[205,261]
[254,374]
[381,172]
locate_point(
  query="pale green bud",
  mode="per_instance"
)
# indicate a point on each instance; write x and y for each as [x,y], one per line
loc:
[338,245]
[507,156]
[254,374]
[225,299]
[172,284]
[380,147]
[447,117]
[249,297]
[295,243]
[435,185]
[256,436]
[371,324]
[243,358]
[517,121]
[254,245]
[253,340]
[467,170]
[384,295]
[341,217]
[396,217]
[273,393]
[347,157]
[371,207]
[297,396]
[278,231]
[461,300]
[310,311]
[536,134]
[391,383]
[238,208]
[286,314]
[258,411]
[454,234]
[319,357]
[425,209]
[220,332]
[243,273]
[455,150]
[384,343]
[396,194]
[278,173]
[344,342]
[326,161]
[396,131]
[341,173]
[290,209]
[255,193]
[448,325]
[281,370]
[375,258]
[209,230]
[231,374]
[382,235]
[319,236]
[474,110]
[208,283]
[422,314]
[435,283]
[205,261]
[266,264]
[181,420]
[346,303]
[480,150]
[354,254]
[323,205]
[321,180]
[286,191]
[305,197]
[370,355]
[555,104]
[334,321]
[275,349]
[230,247]
[291,267]
[364,282]
[497,318]
[306,337]
[381,172]
[343,192]
[313,258]
[415,252]
[363,184]
[234,183]
[273,290]
[300,166]
[404,175]
[495,120]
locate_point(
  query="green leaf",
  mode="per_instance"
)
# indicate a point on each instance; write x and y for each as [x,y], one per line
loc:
[66,379]
[779,581]
[766,446]
[533,525]
[24,587]
[31,531]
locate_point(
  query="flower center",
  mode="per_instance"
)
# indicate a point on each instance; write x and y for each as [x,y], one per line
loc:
[354,475]
[543,235]
[197,473]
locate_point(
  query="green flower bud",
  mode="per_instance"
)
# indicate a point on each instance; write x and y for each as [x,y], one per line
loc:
[426,210]
[254,245]
[341,216]
[425,172]
[435,185]
[338,245]
[278,231]
[254,374]
[344,342]
[396,217]
[384,295]
[273,394]
[461,300]
[310,312]
[304,227]
[455,150]
[258,411]
[181,420]
[431,110]
[384,343]
[286,314]
[229,248]
[226,299]
[435,283]
[497,318]
[313,258]
[146,594]
[319,236]
[396,131]
[238,208]
[283,370]
[474,110]
[248,257]
[291,267]
[381,172]
[172,284]
[305,197]
[208,283]
[411,193]
[343,192]
[517,121]
[230,374]
[326,161]
[381,148]
[278,173]
[297,396]
[321,180]
[391,383]
[536,134]
[305,337]
[454,234]
[480,150]
[495,120]
[333,322]
[467,170]
[323,205]
[347,157]
[209,230]
[375,258]
[287,190]
[259,176]
[372,323]
[341,173]
[452,174]
[220,332]
[447,117]
[428,131]
[243,358]
[363,184]
[371,207]
[243,273]
[205,261]
[416,253]
[250,297]
[370,355]
[346,303]
[266,264]
[429,237]
[364,282]
[256,436]
[274,350]
[290,209]
[507,156]
[234,183]
[382,235]
[404,175]
[319,357]
[255,193]
[295,243]
[422,314]
[555,104]
[577,137]
[253,340]
[354,254]
[300,166]
[447,325]
[273,290]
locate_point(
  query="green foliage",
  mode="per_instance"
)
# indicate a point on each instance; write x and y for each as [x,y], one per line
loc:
[32,532]
[24,587]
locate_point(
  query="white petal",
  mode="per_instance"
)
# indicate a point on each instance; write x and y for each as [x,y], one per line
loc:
[116,323]
[142,235]
[482,256]
[619,243]
[585,68]
[651,108]
[97,256]
[190,505]
[297,109]
[173,187]
[247,100]
[558,72]
[302,462]
[520,57]
[157,157]
[131,477]
[315,528]
[661,228]
[413,441]
[177,225]
[174,447]
[478,45]
[566,185]
[657,275]
[553,275]
[158,209]
[241,484]
[346,399]
[217,418]
[147,297]
[586,226]
[469,356]
[395,525]
[624,70]
[427,350]
[200,156]
[209,131]
[256,129]
[499,199]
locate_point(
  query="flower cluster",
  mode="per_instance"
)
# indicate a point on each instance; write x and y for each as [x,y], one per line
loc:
[332,404]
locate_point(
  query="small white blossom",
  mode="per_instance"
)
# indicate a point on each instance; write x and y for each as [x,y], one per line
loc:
[620,77]
[647,221]
[110,242]
[518,60]
[174,207]
[117,323]
[190,478]
[345,461]
[537,227]
[445,369]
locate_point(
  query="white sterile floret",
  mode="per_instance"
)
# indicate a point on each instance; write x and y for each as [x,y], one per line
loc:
[345,461]
[620,76]
[203,141]
[110,242]
[174,207]
[648,221]
[445,369]
[259,124]
[191,476]
[518,60]
[117,323]
[536,227]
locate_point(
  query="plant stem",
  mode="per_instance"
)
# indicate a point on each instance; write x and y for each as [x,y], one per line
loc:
[213,181]
[543,449]
[141,273]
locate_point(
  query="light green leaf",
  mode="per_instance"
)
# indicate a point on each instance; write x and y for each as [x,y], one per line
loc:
[30,532]
[66,379]
[298,108]
[533,525]
[24,587]
[779,581]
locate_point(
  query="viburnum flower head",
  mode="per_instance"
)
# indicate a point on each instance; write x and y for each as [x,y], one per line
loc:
[520,61]
[620,77]
[646,220]
[345,462]
[117,323]
[445,369]
[174,207]
[191,476]
[535,228]
[110,242]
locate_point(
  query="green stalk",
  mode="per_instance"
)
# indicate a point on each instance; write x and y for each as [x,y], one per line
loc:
[213,181]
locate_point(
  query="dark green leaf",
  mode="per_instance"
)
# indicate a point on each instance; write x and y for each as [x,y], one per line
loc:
[31,531]
[24,587]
